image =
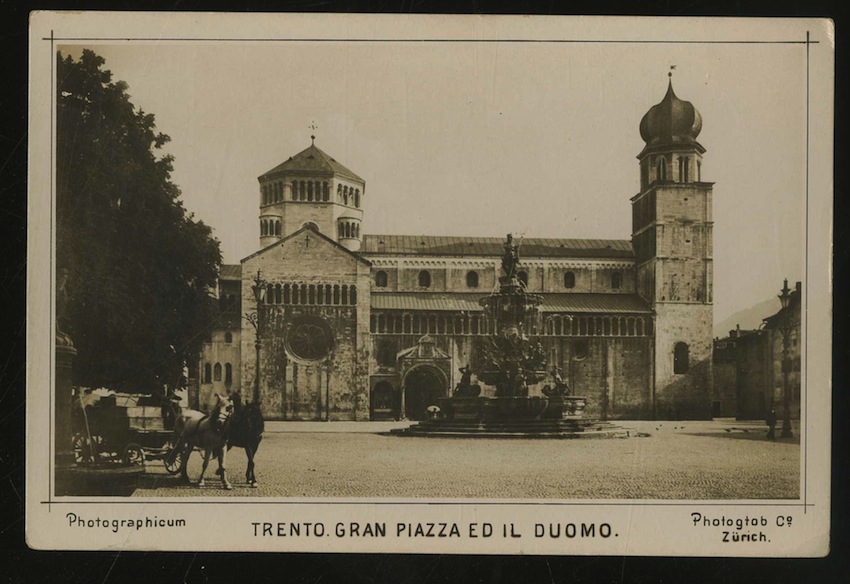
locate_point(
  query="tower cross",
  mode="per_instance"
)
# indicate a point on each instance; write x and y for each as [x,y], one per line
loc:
[313,127]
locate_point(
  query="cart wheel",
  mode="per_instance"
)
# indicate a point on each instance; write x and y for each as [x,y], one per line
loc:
[173,459]
[81,446]
[133,454]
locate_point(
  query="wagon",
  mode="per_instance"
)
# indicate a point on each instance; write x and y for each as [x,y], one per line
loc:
[125,429]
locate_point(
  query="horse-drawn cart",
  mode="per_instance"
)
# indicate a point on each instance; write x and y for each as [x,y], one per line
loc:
[125,429]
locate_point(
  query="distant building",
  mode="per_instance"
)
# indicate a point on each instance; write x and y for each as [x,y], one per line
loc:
[359,326]
[748,379]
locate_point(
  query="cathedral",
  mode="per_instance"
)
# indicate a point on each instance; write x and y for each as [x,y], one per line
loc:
[351,326]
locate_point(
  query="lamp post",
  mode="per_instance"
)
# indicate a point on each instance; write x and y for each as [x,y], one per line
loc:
[786,324]
[255,320]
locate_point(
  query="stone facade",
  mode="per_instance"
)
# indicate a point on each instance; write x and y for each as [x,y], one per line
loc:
[751,362]
[627,323]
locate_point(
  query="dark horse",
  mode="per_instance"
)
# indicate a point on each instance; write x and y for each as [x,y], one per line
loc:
[246,431]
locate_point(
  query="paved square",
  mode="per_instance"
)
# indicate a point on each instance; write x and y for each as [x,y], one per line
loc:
[677,460]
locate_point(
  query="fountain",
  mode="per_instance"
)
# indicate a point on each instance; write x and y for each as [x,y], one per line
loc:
[511,362]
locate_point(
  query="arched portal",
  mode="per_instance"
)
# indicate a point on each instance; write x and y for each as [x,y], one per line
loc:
[423,386]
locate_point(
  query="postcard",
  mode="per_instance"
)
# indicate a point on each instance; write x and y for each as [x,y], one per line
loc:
[431,284]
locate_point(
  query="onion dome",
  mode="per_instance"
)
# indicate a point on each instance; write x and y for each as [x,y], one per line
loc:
[671,122]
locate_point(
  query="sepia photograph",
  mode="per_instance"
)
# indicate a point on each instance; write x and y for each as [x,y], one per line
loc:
[482,283]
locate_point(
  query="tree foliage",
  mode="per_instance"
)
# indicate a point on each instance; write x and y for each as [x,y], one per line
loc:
[139,267]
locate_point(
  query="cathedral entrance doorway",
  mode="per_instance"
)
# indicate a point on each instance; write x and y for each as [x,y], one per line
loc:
[423,386]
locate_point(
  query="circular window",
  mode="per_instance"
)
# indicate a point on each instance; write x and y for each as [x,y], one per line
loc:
[310,339]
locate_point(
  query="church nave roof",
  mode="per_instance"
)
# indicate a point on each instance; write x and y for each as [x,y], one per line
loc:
[531,247]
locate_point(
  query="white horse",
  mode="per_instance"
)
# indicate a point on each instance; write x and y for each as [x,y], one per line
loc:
[207,431]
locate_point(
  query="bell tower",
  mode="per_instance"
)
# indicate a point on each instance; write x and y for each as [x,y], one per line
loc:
[311,189]
[672,238]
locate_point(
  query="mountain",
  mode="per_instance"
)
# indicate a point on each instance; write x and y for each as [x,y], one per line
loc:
[749,318]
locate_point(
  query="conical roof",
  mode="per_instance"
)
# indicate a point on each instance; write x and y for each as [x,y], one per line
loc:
[312,159]
[671,122]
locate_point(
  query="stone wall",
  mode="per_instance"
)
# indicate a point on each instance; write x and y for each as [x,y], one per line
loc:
[725,377]
[218,351]
[450,276]
[615,374]
[292,387]
[683,395]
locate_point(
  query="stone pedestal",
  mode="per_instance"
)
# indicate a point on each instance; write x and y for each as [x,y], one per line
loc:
[63,432]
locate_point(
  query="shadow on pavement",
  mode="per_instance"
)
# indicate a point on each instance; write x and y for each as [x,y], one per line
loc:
[752,435]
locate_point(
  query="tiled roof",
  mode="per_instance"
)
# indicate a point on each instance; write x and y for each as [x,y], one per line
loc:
[594,302]
[494,246]
[559,302]
[313,160]
[452,301]
[230,272]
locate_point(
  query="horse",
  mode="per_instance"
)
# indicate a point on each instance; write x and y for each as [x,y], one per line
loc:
[246,431]
[207,431]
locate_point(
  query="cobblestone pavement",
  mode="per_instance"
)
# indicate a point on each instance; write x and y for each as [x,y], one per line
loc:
[669,460]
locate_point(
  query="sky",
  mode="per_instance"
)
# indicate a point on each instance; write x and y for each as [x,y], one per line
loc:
[484,139]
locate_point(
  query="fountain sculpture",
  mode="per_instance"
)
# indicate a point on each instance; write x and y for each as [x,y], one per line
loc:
[511,361]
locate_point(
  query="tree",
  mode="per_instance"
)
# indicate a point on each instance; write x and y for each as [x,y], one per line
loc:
[140,267]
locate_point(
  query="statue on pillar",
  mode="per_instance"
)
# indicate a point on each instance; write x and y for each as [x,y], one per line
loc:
[510,258]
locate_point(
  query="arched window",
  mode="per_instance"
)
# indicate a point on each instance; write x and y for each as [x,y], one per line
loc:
[357,198]
[523,277]
[228,337]
[472,279]
[680,358]
[345,195]
[310,191]
[353,292]
[207,373]
[683,169]
[569,280]
[326,192]
[312,225]
[278,294]
[425,279]
[616,280]
[381,279]
[228,374]
[302,195]
[341,230]
[661,171]
[580,351]
[294,193]
[217,372]
[277,227]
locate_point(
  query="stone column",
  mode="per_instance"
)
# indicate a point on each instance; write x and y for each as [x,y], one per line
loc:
[63,432]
